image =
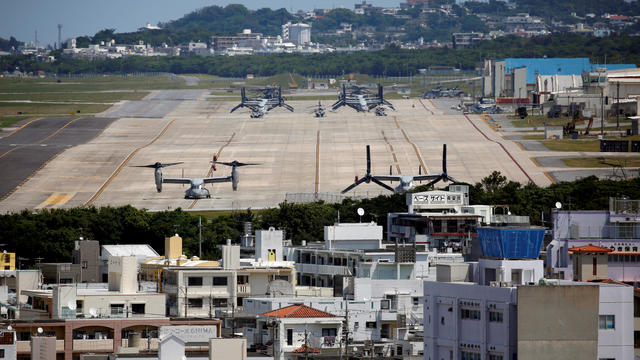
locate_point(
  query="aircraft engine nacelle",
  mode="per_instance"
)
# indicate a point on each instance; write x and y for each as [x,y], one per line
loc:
[158,176]
[235,178]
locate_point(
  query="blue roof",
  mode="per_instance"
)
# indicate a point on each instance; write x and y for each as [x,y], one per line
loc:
[557,66]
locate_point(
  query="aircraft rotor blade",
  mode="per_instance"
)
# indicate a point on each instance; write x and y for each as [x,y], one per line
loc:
[444,159]
[233,163]
[158,165]
[360,181]
[434,181]
[382,184]
[368,161]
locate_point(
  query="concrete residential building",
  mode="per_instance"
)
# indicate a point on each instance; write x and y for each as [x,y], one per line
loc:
[299,329]
[617,229]
[204,291]
[298,33]
[120,300]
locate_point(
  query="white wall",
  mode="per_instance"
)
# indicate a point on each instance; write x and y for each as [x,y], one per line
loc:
[268,239]
[617,343]
[530,270]
[353,236]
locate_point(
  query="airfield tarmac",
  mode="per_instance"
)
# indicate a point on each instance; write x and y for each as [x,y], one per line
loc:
[297,153]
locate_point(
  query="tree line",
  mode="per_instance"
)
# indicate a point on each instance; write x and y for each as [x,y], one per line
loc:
[388,62]
[50,234]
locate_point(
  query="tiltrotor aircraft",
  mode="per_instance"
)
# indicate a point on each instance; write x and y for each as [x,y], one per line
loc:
[271,98]
[406,181]
[360,99]
[196,189]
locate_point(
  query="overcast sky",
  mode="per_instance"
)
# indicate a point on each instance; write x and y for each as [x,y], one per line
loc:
[21,18]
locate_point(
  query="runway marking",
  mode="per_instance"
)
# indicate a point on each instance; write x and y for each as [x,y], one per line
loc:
[503,148]
[535,162]
[210,171]
[21,127]
[58,131]
[393,153]
[553,181]
[317,161]
[39,142]
[55,200]
[520,145]
[425,106]
[8,152]
[415,147]
[117,171]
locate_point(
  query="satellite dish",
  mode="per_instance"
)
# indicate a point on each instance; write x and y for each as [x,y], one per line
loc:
[93,312]
[508,212]
[9,327]
[40,330]
[71,305]
[360,211]
[558,205]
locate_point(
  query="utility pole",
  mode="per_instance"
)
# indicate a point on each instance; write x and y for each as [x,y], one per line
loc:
[601,110]
[186,299]
[346,338]
[618,106]
[200,236]
[306,346]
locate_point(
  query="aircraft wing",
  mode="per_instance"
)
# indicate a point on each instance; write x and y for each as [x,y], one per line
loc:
[388,177]
[426,177]
[212,180]
[176,181]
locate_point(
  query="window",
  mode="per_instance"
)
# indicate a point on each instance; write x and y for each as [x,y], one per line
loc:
[329,332]
[239,301]
[243,279]
[79,306]
[282,277]
[416,301]
[289,336]
[1,353]
[595,266]
[385,304]
[470,314]
[607,322]
[195,281]
[371,324]
[465,355]
[117,309]
[219,281]
[84,264]
[495,357]
[195,302]
[137,309]
[219,302]
[495,316]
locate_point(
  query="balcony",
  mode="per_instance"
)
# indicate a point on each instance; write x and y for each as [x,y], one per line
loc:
[319,269]
[244,289]
[144,344]
[93,345]
[24,347]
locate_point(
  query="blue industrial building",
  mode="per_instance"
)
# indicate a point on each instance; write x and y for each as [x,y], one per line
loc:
[557,66]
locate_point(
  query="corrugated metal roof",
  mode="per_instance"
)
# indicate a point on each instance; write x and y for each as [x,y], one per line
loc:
[590,249]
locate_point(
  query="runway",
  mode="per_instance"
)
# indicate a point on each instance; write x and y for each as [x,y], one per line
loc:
[296,152]
[27,149]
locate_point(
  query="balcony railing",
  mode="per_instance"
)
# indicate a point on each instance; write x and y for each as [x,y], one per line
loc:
[244,289]
[25,346]
[93,345]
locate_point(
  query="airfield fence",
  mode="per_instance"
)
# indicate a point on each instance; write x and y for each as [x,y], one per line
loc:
[329,198]
[171,76]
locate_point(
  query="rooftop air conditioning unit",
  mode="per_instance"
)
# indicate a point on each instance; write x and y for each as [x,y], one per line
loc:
[494,283]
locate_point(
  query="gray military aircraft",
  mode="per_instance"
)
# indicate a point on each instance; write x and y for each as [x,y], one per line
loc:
[360,99]
[318,110]
[271,98]
[196,188]
[406,181]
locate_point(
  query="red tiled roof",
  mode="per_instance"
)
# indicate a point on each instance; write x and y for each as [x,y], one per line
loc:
[590,249]
[297,311]
[304,348]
